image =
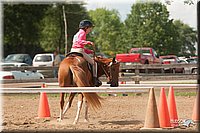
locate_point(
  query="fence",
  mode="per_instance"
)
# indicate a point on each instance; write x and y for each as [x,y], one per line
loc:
[122,67]
[137,76]
[124,88]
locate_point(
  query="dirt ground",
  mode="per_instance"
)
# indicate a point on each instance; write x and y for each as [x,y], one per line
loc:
[118,113]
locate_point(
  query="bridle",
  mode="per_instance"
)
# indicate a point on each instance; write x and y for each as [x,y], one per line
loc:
[107,73]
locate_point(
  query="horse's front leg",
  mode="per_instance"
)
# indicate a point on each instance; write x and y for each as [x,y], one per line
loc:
[86,111]
[61,107]
[79,104]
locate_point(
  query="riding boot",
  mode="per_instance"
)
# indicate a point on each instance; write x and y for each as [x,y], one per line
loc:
[97,82]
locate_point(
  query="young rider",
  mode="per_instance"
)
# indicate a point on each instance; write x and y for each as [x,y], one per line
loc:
[79,41]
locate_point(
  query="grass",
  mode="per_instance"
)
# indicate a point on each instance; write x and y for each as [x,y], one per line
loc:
[57,95]
[185,93]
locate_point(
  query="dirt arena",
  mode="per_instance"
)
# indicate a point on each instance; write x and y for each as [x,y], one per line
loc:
[118,113]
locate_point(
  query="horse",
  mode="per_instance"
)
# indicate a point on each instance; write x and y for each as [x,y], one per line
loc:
[74,71]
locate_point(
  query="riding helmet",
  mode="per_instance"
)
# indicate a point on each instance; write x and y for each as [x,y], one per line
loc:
[85,23]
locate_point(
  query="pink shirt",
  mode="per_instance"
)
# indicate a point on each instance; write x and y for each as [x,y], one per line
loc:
[79,41]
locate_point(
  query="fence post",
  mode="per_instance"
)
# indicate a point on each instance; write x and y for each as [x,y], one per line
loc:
[137,75]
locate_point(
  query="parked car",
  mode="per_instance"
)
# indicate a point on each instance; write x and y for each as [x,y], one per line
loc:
[192,60]
[140,55]
[144,55]
[18,74]
[13,64]
[172,59]
[42,60]
[19,58]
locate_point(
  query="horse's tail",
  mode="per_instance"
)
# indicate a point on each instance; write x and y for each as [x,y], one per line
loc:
[93,99]
[80,77]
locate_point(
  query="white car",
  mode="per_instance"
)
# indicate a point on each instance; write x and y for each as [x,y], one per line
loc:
[46,59]
[18,74]
[43,60]
[4,64]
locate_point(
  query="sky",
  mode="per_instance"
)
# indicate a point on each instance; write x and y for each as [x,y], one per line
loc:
[178,11]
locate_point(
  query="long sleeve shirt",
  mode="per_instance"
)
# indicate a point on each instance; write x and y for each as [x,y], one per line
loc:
[79,41]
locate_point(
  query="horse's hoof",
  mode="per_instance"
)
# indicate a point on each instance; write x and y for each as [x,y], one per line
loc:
[59,120]
[75,122]
[86,120]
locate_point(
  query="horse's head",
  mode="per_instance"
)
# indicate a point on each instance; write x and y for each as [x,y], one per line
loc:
[109,67]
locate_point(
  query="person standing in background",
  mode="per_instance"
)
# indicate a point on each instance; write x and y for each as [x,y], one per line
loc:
[56,63]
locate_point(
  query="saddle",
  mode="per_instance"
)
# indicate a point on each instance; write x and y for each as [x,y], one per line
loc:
[81,55]
[74,53]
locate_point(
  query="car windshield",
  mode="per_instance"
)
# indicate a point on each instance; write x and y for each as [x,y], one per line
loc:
[14,57]
[44,58]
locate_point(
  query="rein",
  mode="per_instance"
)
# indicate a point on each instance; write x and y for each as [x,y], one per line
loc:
[106,73]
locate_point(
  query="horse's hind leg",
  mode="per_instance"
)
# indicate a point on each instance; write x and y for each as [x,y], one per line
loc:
[68,105]
[69,102]
[61,106]
[86,111]
[79,104]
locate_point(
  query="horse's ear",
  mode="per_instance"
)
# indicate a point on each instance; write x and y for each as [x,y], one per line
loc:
[113,60]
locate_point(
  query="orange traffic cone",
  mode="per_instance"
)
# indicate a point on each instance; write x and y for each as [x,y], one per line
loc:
[151,119]
[163,110]
[172,108]
[195,114]
[43,110]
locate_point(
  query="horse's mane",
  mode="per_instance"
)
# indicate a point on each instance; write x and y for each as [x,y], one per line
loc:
[103,60]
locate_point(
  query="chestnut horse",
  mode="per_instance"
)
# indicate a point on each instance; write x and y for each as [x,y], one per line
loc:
[74,71]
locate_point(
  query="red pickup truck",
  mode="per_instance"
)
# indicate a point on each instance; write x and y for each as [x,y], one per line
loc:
[143,55]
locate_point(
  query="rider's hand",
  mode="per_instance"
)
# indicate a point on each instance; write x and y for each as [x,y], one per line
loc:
[92,43]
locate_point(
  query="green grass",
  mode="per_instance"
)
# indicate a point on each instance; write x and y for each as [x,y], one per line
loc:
[57,95]
[185,94]
[120,94]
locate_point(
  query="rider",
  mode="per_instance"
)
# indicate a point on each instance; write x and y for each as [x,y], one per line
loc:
[79,41]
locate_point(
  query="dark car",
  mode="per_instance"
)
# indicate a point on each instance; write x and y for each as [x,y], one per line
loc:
[19,58]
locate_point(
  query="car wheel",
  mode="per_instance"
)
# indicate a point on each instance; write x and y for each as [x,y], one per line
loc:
[194,71]
[122,74]
[183,70]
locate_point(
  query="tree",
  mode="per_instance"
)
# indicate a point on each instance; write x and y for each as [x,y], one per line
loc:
[52,26]
[107,31]
[21,27]
[187,38]
[39,27]
[149,25]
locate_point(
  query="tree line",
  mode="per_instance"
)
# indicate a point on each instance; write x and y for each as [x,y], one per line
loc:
[35,29]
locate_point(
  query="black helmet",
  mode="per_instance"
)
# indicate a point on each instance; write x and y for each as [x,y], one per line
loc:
[85,23]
